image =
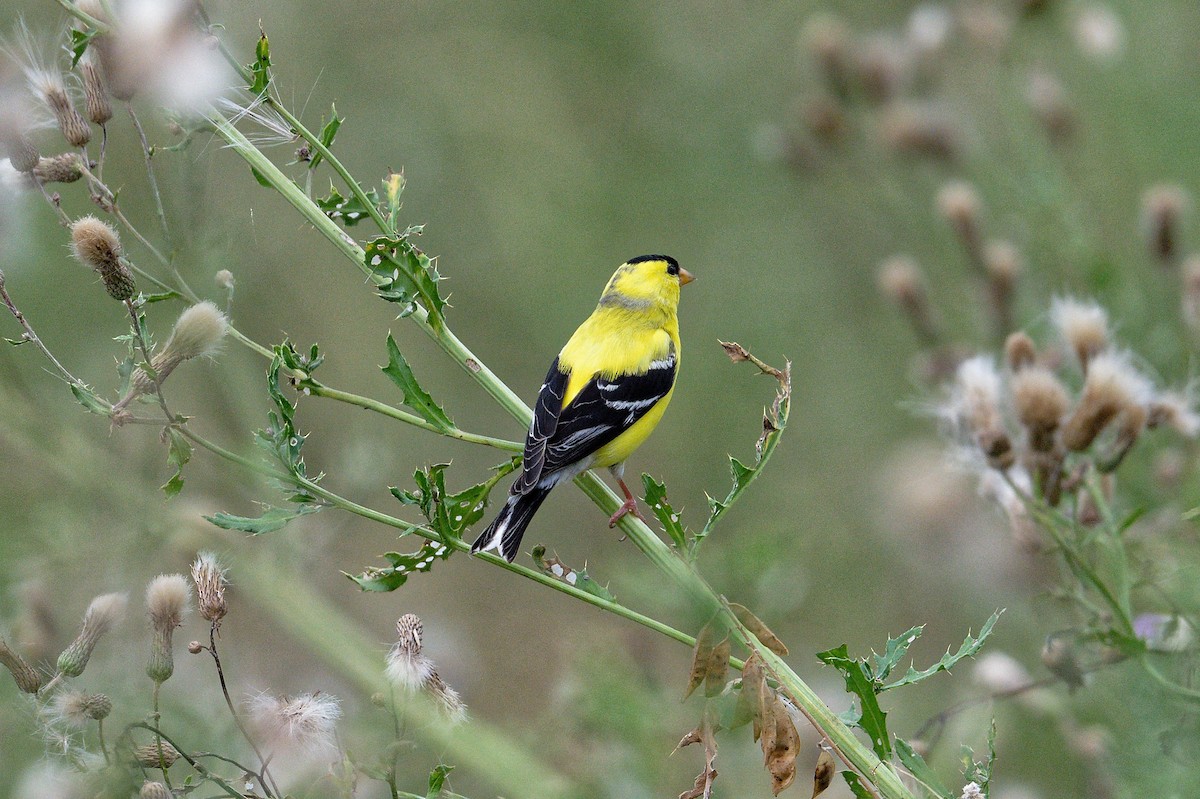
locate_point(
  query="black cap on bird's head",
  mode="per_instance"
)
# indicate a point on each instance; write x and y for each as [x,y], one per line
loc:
[673,267]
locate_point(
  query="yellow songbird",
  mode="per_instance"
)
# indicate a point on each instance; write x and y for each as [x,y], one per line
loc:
[605,393]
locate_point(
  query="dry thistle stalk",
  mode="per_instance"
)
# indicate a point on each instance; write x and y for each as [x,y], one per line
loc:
[98,247]
[1048,101]
[28,680]
[1004,265]
[407,668]
[959,204]
[167,600]
[103,612]
[198,332]
[901,282]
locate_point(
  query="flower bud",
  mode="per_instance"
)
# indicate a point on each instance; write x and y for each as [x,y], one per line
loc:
[26,678]
[21,151]
[154,790]
[63,168]
[97,706]
[95,97]
[1163,207]
[156,755]
[53,93]
[958,203]
[210,582]
[167,599]
[101,615]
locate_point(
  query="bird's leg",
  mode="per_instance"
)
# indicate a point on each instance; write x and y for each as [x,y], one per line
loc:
[629,506]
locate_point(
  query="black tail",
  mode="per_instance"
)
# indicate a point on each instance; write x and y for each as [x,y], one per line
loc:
[503,535]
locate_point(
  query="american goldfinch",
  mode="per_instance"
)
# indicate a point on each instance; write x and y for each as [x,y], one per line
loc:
[605,393]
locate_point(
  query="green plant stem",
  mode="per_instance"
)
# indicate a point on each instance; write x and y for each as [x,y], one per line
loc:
[666,560]
[100,735]
[262,774]
[321,390]
[158,738]
[201,770]
[155,193]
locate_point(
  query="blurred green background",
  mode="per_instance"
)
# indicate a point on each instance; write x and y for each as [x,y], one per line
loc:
[543,144]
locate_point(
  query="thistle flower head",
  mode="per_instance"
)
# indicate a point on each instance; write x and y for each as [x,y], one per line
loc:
[167,599]
[155,755]
[71,707]
[1083,326]
[305,723]
[1040,400]
[1113,387]
[27,679]
[98,247]
[198,332]
[1177,410]
[1163,208]
[1019,351]
[103,612]
[154,790]
[973,405]
[406,667]
[210,582]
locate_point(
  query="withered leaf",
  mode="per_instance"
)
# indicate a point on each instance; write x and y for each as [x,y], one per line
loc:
[781,759]
[735,351]
[746,708]
[763,633]
[702,789]
[692,737]
[700,657]
[718,667]
[823,773]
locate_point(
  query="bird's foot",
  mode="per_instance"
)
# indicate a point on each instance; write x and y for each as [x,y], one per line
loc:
[629,507]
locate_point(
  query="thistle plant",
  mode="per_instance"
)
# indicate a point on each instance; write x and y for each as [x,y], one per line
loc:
[1045,434]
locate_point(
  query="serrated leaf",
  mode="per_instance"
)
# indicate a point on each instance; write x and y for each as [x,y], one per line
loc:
[873,720]
[405,275]
[437,779]
[763,633]
[80,39]
[88,399]
[272,519]
[179,452]
[415,397]
[348,210]
[400,566]
[450,515]
[327,135]
[921,770]
[854,782]
[656,499]
[970,646]
[579,578]
[894,651]
[260,68]
[981,773]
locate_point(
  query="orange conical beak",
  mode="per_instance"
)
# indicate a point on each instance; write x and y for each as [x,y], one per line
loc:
[685,277]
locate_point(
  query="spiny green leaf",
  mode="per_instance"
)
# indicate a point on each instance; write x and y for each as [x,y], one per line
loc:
[327,134]
[260,68]
[450,515]
[894,652]
[564,573]
[179,452]
[414,397]
[406,274]
[400,566]
[970,646]
[921,770]
[858,681]
[146,299]
[980,773]
[79,43]
[854,782]
[346,209]
[88,399]
[272,519]
[656,498]
[437,778]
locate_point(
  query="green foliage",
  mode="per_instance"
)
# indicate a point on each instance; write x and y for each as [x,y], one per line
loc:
[415,397]
[921,770]
[977,772]
[260,68]
[970,647]
[179,452]
[571,576]
[271,520]
[328,132]
[400,566]
[405,275]
[88,399]
[860,682]
[854,782]
[347,210]
[80,39]
[656,498]
[437,779]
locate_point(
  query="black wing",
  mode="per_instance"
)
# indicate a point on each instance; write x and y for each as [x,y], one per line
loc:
[561,437]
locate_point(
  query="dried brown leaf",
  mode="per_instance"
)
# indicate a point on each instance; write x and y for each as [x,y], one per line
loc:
[718,667]
[693,737]
[763,633]
[700,657]
[823,773]
[702,789]
[785,745]
[735,351]
[750,698]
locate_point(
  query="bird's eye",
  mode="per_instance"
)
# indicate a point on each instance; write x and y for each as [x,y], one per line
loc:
[672,269]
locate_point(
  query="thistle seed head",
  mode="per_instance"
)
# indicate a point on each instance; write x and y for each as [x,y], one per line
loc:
[167,599]
[198,331]
[27,679]
[95,96]
[1113,387]
[1163,208]
[305,723]
[1041,402]
[62,168]
[154,790]
[210,582]
[95,244]
[103,612]
[1019,351]
[156,755]
[1083,326]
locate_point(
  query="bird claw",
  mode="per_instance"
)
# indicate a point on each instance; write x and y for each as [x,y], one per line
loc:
[629,507]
